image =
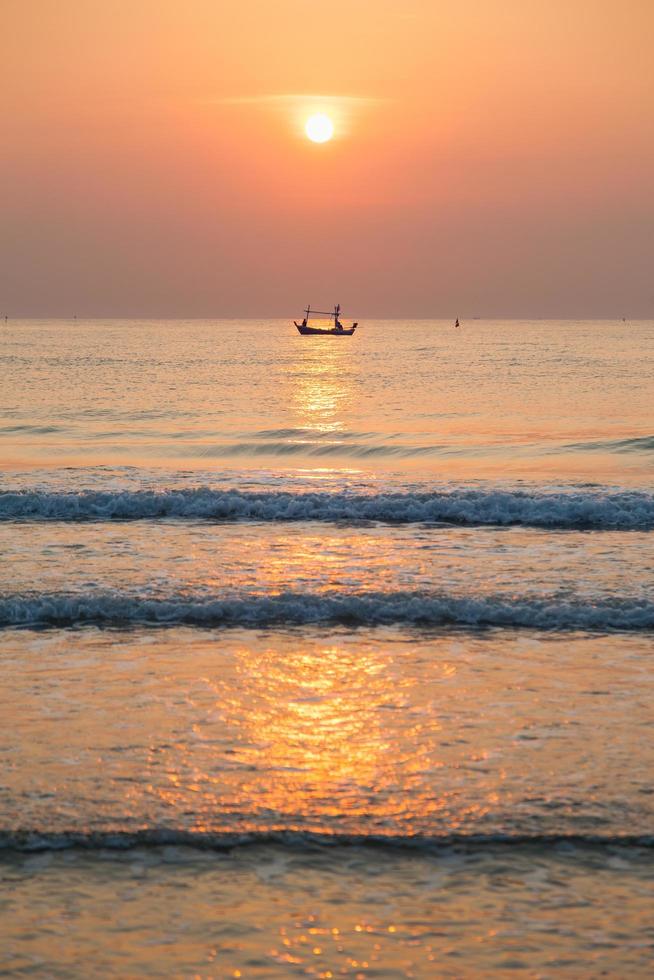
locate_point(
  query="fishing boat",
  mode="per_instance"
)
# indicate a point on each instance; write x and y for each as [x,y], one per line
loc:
[338,330]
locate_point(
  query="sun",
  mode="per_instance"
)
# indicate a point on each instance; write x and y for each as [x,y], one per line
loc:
[319,128]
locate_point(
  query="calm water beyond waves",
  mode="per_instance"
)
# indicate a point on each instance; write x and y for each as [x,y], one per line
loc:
[326,657]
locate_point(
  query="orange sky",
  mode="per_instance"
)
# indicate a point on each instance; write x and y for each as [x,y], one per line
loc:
[493,157]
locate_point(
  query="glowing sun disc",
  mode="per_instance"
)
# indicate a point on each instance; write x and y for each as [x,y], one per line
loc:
[319,128]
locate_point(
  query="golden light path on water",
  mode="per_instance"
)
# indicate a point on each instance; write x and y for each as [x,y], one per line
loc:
[318,719]
[383,733]
[329,732]
[326,657]
[388,733]
[401,400]
[321,390]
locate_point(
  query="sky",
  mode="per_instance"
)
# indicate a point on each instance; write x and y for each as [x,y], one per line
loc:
[490,157]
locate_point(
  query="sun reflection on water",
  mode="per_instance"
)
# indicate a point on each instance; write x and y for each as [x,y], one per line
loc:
[313,740]
[321,387]
[332,734]
[314,718]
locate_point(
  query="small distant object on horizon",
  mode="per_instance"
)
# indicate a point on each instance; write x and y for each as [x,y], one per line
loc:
[456,322]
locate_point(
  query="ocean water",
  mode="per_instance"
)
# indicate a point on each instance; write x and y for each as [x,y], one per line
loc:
[326,657]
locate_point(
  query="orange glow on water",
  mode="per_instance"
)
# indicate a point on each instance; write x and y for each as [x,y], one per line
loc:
[322,387]
[339,736]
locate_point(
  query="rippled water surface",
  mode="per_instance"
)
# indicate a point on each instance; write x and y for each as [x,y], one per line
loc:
[326,657]
[391,732]
[563,399]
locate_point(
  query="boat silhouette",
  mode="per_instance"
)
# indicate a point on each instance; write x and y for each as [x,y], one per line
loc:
[338,330]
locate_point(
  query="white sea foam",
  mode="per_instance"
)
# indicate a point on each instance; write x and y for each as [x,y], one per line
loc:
[592,509]
[301,609]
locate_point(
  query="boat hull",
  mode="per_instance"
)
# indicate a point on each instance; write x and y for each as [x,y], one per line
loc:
[317,332]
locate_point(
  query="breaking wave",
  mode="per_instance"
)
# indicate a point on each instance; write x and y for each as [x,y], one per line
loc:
[580,509]
[304,609]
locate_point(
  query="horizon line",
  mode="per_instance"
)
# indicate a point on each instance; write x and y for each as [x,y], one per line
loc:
[267,316]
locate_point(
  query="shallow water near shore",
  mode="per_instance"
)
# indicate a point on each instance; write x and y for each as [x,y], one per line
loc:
[275,911]
[326,657]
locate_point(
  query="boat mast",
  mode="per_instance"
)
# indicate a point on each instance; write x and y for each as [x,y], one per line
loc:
[334,316]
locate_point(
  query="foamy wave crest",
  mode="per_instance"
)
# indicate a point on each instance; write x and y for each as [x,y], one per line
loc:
[614,510]
[304,609]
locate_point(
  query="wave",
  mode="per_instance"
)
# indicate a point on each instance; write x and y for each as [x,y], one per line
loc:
[371,609]
[574,509]
[636,444]
[338,447]
[32,429]
[36,840]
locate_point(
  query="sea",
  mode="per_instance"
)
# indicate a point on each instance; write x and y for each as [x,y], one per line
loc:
[326,657]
